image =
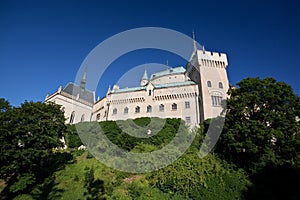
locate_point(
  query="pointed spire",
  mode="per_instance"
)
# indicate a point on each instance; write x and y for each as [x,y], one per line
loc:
[194,42]
[167,63]
[83,80]
[145,76]
[109,89]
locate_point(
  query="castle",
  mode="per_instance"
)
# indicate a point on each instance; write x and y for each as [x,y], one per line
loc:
[193,94]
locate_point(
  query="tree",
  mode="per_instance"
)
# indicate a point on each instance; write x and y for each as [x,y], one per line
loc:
[261,125]
[28,135]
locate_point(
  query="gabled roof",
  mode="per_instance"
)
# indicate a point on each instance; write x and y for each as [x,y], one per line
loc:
[74,90]
[176,70]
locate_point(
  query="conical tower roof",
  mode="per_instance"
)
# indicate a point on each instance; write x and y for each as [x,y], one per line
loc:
[145,76]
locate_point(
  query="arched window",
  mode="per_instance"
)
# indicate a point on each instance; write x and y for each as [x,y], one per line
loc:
[161,107]
[72,117]
[137,109]
[149,92]
[208,84]
[220,85]
[82,118]
[149,109]
[126,110]
[174,106]
[115,111]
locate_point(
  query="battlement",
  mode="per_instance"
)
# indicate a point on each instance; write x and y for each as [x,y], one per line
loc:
[212,59]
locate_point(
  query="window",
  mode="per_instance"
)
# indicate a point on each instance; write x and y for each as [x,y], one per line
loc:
[220,85]
[174,106]
[216,100]
[72,117]
[149,109]
[188,120]
[98,116]
[82,118]
[126,110]
[115,111]
[137,109]
[187,104]
[161,107]
[208,84]
[149,92]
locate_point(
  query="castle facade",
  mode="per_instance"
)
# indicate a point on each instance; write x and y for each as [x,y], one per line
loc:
[192,93]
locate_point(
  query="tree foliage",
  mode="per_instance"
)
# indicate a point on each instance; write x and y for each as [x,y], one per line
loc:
[28,135]
[261,126]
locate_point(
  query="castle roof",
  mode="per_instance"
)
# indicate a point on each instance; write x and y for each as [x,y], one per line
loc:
[133,89]
[175,70]
[75,90]
[176,84]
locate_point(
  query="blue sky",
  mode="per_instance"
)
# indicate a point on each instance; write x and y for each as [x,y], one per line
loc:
[43,43]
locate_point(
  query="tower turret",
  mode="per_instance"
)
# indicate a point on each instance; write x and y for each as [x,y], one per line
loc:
[144,79]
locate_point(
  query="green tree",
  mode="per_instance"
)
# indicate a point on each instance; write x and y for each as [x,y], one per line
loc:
[29,134]
[261,126]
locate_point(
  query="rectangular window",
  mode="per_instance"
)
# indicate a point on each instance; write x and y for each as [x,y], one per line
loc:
[188,120]
[187,104]
[216,100]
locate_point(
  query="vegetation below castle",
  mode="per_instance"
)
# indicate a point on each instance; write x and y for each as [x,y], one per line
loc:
[256,157]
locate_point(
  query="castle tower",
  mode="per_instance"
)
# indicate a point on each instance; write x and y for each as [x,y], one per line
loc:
[208,70]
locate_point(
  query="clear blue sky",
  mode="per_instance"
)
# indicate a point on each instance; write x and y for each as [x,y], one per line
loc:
[43,43]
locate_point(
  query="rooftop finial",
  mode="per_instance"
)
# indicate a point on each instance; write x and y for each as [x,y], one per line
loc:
[194,42]
[83,80]
[167,63]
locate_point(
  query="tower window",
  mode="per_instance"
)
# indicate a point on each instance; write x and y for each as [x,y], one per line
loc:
[216,100]
[208,84]
[187,104]
[126,110]
[161,107]
[149,92]
[137,109]
[115,111]
[188,120]
[220,85]
[174,106]
[149,109]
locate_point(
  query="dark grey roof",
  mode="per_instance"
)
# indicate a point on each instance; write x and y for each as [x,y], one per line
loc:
[84,94]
